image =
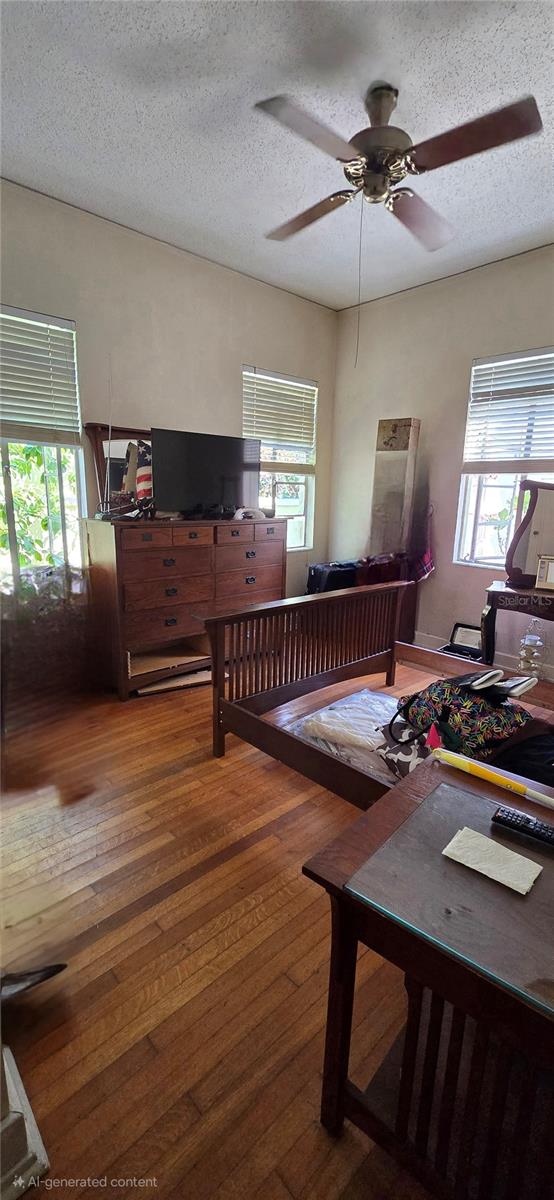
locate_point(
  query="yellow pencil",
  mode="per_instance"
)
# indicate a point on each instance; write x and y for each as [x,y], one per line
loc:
[482,771]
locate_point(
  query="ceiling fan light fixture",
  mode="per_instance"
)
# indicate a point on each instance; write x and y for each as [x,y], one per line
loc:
[376,188]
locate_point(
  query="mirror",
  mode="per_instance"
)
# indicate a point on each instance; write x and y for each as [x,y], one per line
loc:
[122,454]
[534,535]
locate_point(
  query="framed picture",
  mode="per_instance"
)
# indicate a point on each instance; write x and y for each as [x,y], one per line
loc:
[545,572]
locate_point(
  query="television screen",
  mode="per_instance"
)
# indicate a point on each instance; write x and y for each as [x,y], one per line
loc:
[203,474]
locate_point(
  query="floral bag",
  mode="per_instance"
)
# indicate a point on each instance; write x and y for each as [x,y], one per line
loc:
[466,720]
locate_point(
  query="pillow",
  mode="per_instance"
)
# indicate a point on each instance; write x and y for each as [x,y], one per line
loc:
[402,757]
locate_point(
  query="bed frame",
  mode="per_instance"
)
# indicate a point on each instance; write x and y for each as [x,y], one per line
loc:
[270,654]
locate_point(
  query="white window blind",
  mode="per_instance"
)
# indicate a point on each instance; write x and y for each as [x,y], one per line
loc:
[511,412]
[39,396]
[280,410]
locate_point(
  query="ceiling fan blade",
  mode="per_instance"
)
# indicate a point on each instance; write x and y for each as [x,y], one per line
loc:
[311,214]
[422,221]
[497,128]
[289,114]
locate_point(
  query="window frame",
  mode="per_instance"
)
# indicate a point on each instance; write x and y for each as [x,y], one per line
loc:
[44,437]
[17,570]
[461,531]
[304,470]
[520,467]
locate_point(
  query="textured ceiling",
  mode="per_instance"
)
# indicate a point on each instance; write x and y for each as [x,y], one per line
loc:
[142,113]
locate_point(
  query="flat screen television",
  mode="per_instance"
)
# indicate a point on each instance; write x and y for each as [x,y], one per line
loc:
[204,474]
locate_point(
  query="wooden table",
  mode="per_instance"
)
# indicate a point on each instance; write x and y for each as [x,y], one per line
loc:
[531,602]
[473,1054]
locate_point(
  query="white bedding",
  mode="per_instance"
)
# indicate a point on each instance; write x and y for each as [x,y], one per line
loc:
[351,730]
[353,724]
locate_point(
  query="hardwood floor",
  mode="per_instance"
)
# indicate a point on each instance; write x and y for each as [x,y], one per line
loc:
[184,1041]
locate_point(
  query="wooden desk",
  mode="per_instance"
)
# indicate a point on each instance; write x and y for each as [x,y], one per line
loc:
[474,1055]
[529,601]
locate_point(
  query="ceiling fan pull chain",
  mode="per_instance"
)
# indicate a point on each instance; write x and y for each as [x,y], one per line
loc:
[359,281]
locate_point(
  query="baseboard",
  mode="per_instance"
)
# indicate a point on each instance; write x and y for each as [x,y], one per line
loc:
[508,662]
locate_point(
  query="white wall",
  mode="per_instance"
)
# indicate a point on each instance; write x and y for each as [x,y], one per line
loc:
[176,329]
[415,355]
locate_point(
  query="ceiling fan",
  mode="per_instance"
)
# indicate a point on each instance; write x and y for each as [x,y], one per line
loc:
[380,157]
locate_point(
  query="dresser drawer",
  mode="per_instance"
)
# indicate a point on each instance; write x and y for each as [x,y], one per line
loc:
[162,564]
[238,605]
[235,531]
[162,625]
[275,533]
[194,535]
[133,539]
[239,583]
[234,558]
[156,592]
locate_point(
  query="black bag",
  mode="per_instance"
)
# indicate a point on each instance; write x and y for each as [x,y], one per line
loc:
[533,758]
[330,577]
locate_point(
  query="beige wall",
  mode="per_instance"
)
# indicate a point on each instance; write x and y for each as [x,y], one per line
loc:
[414,359]
[176,328]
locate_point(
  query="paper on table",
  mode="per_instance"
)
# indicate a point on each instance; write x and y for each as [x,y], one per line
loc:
[490,858]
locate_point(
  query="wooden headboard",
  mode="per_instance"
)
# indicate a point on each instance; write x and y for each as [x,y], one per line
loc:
[272,653]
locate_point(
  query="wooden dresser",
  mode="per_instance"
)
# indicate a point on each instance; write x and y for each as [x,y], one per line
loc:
[153,583]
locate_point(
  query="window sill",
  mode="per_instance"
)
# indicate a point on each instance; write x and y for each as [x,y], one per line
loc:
[299,549]
[461,562]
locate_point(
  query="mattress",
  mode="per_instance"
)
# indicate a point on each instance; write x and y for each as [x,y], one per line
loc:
[350,730]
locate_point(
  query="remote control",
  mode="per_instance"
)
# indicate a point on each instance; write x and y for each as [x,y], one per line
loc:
[520,822]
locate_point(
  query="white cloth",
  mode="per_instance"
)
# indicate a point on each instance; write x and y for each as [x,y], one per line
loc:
[482,854]
[351,724]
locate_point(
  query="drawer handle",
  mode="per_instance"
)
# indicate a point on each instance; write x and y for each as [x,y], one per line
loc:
[147,537]
[250,553]
[270,530]
[250,579]
[171,620]
[235,533]
[193,533]
[171,591]
[169,562]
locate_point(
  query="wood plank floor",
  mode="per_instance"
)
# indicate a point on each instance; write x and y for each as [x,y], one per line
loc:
[183,1043]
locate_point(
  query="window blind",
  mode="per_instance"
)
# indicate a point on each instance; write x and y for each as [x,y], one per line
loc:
[280,410]
[511,410]
[39,395]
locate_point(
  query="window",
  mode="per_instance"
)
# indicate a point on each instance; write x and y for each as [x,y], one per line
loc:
[40,500]
[509,437]
[281,412]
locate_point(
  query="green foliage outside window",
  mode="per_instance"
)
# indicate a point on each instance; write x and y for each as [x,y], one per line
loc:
[501,522]
[37,507]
